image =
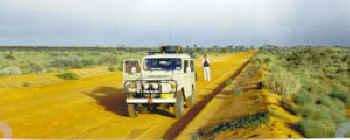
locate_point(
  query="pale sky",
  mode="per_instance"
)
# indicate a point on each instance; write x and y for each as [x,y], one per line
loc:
[183,22]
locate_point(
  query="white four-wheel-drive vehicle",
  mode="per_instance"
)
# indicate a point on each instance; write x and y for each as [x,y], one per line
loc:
[166,78]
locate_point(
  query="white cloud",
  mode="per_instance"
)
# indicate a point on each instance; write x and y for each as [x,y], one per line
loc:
[199,20]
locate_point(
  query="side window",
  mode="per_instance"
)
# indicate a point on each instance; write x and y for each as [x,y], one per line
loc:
[132,67]
[186,66]
[192,66]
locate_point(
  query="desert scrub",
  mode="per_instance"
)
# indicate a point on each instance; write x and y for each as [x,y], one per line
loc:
[282,82]
[10,56]
[237,91]
[250,73]
[72,61]
[109,60]
[228,82]
[69,76]
[321,114]
[27,84]
[341,93]
[12,70]
[113,68]
[317,128]
[251,121]
[289,105]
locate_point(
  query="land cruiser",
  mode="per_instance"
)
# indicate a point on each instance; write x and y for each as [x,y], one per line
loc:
[166,78]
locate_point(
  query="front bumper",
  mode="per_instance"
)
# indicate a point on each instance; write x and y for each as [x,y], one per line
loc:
[150,100]
[163,86]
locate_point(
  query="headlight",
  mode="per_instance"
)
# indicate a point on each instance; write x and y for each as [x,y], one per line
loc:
[132,85]
[173,85]
[155,85]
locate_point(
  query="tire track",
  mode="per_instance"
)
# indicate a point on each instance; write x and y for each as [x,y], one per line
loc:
[181,124]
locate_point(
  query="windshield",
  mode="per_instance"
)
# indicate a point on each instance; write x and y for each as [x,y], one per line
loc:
[162,64]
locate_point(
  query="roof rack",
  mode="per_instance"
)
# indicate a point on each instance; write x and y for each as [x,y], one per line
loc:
[168,50]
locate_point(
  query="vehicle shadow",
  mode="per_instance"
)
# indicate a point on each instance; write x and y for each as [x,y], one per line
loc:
[112,99]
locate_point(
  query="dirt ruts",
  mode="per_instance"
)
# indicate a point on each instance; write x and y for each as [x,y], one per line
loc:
[180,125]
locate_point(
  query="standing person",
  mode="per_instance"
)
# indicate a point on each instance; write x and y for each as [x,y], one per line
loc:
[206,64]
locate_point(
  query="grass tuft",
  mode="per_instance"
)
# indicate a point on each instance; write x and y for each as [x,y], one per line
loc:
[69,76]
[237,91]
[251,121]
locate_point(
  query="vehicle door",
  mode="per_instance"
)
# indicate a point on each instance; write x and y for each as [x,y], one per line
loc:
[189,76]
[131,70]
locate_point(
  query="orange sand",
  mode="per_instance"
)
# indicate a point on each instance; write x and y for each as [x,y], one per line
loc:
[226,106]
[93,107]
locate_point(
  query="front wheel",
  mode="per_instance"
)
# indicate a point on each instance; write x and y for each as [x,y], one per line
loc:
[179,105]
[191,101]
[132,110]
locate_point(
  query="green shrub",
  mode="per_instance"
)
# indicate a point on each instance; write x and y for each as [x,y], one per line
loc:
[35,67]
[314,86]
[237,91]
[27,84]
[250,73]
[267,60]
[251,121]
[120,68]
[86,62]
[195,55]
[314,112]
[282,82]
[343,96]
[319,108]
[228,82]
[317,128]
[109,60]
[72,61]
[113,68]
[12,70]
[289,105]
[69,76]
[10,56]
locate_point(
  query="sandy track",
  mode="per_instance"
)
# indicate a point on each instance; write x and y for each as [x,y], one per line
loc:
[95,107]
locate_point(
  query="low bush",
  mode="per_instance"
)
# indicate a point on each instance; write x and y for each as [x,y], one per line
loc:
[12,70]
[343,96]
[288,105]
[72,61]
[109,60]
[317,128]
[237,91]
[27,84]
[228,82]
[252,121]
[86,62]
[35,67]
[113,68]
[194,55]
[317,110]
[69,76]
[282,82]
[250,73]
[10,56]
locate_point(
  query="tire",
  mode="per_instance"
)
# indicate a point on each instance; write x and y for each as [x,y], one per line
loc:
[132,110]
[191,100]
[179,105]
